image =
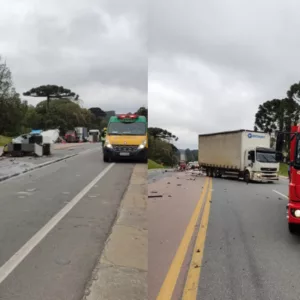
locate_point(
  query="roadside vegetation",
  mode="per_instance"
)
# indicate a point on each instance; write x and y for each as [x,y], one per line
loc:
[153,165]
[4,140]
[161,147]
[283,170]
[59,108]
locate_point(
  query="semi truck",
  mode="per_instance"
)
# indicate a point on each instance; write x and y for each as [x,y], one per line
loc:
[241,153]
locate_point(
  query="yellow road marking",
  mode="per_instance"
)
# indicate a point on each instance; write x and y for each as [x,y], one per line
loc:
[169,284]
[192,281]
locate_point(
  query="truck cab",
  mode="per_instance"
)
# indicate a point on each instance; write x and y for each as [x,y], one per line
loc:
[126,138]
[261,164]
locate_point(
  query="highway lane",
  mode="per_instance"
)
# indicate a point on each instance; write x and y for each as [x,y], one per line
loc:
[240,249]
[249,253]
[61,264]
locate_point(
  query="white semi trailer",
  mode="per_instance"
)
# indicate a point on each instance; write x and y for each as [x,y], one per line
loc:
[242,153]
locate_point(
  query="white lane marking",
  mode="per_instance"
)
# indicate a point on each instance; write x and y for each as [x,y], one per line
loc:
[285,196]
[18,257]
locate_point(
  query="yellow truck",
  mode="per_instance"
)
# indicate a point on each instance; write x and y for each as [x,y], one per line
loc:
[126,138]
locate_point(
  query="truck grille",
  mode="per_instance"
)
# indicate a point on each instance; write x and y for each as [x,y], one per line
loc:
[268,169]
[125,148]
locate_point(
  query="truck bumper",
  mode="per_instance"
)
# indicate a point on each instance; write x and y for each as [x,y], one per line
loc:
[264,177]
[138,154]
[292,207]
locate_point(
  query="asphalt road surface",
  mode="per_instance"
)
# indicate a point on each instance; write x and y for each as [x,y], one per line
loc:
[240,248]
[249,253]
[53,225]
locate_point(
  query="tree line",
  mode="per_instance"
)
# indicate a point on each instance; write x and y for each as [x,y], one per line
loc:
[279,114]
[61,108]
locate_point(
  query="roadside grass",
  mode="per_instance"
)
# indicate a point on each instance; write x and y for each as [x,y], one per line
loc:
[4,140]
[283,170]
[153,165]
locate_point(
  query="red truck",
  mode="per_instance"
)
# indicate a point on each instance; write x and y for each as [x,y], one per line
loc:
[293,207]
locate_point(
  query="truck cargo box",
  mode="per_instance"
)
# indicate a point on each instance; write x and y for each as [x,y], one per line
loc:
[227,149]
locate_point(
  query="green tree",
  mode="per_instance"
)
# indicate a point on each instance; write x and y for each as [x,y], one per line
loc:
[52,92]
[189,155]
[160,133]
[11,107]
[161,147]
[143,111]
[277,115]
[63,114]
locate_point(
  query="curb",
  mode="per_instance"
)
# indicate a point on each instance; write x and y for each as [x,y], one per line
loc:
[3,178]
[122,269]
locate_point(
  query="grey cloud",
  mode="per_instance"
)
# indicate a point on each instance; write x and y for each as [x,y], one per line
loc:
[77,44]
[243,53]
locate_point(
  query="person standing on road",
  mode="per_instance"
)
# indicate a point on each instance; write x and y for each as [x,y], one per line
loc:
[103,136]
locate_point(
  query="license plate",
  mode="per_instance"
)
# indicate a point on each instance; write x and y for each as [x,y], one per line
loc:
[124,154]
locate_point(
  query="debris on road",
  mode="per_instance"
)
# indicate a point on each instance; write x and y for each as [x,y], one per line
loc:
[154,196]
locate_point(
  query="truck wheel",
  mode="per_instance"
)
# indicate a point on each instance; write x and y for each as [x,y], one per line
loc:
[105,158]
[207,172]
[293,228]
[214,173]
[211,173]
[247,177]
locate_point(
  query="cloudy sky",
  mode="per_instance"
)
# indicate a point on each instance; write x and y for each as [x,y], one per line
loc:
[211,63]
[97,48]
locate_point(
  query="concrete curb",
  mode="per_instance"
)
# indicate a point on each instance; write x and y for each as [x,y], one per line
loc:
[36,167]
[121,272]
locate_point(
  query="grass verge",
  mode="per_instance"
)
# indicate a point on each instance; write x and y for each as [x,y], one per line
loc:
[153,165]
[283,170]
[4,140]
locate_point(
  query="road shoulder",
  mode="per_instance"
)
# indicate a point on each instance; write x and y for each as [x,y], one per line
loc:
[121,272]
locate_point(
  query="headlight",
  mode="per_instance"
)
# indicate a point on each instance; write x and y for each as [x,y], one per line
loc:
[142,145]
[297,213]
[107,144]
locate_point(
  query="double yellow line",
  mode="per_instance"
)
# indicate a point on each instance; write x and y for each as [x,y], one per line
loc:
[191,284]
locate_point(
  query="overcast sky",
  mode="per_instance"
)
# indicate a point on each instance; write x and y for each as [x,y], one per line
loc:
[97,48]
[211,63]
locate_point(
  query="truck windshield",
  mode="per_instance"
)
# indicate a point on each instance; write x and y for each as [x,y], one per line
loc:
[297,154]
[266,157]
[126,128]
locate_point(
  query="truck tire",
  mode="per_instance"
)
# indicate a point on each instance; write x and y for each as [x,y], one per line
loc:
[247,177]
[105,158]
[214,173]
[207,172]
[293,228]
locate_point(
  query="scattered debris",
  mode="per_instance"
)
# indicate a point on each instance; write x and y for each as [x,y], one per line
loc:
[154,196]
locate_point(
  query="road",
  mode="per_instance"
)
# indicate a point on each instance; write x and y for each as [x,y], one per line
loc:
[54,222]
[243,249]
